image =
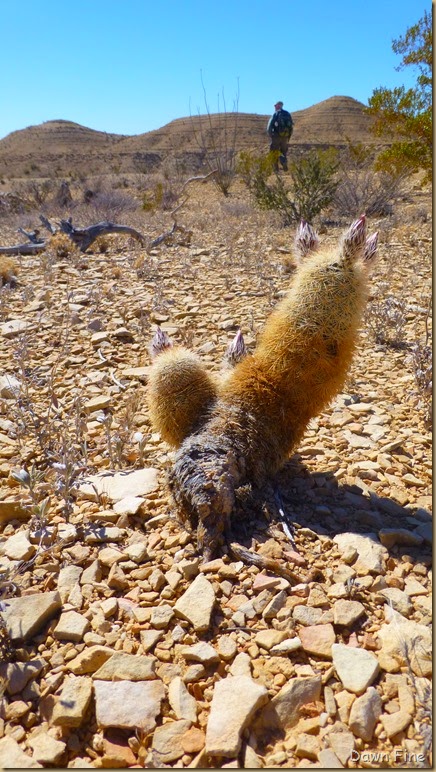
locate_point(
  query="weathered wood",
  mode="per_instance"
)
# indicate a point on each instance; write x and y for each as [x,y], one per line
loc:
[23,249]
[84,237]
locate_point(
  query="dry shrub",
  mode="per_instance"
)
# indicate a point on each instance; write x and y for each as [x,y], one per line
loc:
[8,270]
[60,245]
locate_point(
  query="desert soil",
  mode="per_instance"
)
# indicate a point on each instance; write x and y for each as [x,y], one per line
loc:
[120,647]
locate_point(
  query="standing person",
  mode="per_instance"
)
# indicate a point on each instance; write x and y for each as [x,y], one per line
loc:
[280,127]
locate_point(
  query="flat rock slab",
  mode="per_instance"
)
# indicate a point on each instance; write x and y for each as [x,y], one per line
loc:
[128,705]
[196,603]
[24,617]
[405,643]
[356,668]
[120,485]
[235,700]
[12,757]
[126,667]
[17,674]
[167,741]
[371,555]
[72,704]
[14,327]
[284,709]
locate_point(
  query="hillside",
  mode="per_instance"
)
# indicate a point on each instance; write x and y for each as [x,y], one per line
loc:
[60,147]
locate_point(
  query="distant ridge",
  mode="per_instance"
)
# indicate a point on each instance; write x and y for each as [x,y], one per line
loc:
[60,147]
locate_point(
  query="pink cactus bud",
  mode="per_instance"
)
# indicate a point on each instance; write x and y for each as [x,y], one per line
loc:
[306,239]
[371,244]
[160,342]
[354,239]
[236,349]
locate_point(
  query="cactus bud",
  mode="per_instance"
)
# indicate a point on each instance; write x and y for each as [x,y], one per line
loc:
[236,350]
[354,239]
[160,342]
[371,244]
[306,239]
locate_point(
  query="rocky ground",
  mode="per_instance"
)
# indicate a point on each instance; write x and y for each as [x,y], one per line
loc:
[120,648]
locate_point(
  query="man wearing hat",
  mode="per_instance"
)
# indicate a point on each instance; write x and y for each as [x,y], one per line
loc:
[280,127]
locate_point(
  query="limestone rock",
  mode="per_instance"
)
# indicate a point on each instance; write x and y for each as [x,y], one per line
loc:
[357,668]
[18,547]
[197,603]
[167,742]
[72,704]
[46,749]
[126,667]
[318,640]
[72,626]
[284,709]
[119,485]
[13,757]
[128,704]
[405,642]
[24,617]
[90,659]
[371,555]
[347,612]
[183,704]
[235,700]
[365,712]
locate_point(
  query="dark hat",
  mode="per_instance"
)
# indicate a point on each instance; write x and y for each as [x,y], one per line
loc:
[280,104]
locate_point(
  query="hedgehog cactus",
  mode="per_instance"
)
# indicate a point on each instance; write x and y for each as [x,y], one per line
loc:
[264,405]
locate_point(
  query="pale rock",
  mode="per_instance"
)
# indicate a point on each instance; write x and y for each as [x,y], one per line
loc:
[46,749]
[284,709]
[404,643]
[307,746]
[201,652]
[126,667]
[161,616]
[279,600]
[307,615]
[182,703]
[266,639]
[71,706]
[109,607]
[241,665]
[287,646]
[398,599]
[167,742]
[128,705]
[71,626]
[68,577]
[120,484]
[18,547]
[347,612]
[235,700]
[100,402]
[391,536]
[14,327]
[13,757]
[371,555]
[9,386]
[318,640]
[196,604]
[129,505]
[227,647]
[137,551]
[356,668]
[413,587]
[264,582]
[10,509]
[92,573]
[24,617]
[393,723]
[90,659]
[328,759]
[16,675]
[149,639]
[364,714]
[343,744]
[116,752]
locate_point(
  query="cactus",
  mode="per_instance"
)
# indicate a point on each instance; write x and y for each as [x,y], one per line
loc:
[265,403]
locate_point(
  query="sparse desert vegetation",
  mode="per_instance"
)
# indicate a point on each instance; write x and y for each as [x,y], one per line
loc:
[120,648]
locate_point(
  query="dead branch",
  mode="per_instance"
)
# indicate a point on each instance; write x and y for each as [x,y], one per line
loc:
[23,249]
[84,237]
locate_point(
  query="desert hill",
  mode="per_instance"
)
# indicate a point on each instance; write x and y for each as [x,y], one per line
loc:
[60,147]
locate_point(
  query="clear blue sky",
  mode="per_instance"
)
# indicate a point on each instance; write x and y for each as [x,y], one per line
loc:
[130,66]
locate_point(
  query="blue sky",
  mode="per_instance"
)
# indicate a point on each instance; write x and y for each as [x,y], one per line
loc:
[130,66]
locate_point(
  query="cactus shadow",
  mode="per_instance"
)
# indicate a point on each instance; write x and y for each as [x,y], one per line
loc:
[317,500]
